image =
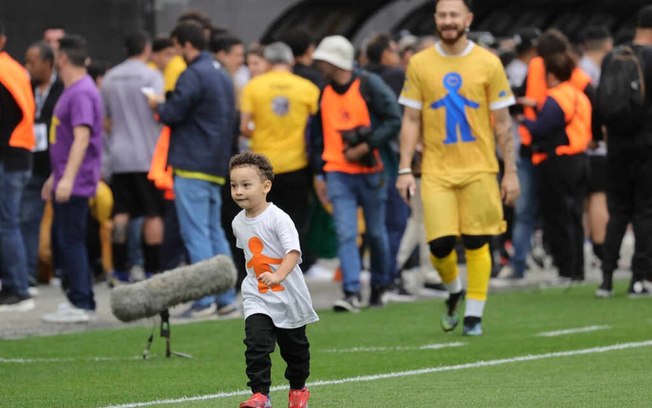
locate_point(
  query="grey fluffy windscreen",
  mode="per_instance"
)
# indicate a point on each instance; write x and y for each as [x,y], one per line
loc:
[168,289]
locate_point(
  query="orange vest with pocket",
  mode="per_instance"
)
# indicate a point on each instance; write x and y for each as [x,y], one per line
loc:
[343,112]
[16,80]
[536,89]
[577,115]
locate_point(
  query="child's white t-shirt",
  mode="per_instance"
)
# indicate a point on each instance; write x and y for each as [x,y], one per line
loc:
[274,233]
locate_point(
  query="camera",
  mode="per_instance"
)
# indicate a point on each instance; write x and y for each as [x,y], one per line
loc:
[355,136]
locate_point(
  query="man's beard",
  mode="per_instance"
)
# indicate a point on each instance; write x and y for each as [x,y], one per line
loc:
[447,40]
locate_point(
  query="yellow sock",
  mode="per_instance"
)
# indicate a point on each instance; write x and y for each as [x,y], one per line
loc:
[478,270]
[447,267]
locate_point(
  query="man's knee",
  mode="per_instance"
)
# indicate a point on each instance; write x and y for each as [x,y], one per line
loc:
[442,247]
[475,241]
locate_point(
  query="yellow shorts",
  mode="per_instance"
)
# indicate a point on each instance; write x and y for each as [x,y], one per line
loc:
[470,205]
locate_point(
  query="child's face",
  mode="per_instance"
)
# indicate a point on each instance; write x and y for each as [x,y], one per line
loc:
[248,190]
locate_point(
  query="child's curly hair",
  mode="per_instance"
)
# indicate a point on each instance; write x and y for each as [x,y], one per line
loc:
[254,160]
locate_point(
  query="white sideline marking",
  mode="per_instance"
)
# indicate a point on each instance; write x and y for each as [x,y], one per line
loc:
[573,331]
[64,360]
[436,346]
[366,378]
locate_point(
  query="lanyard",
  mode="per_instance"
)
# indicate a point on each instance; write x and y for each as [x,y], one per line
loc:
[41,97]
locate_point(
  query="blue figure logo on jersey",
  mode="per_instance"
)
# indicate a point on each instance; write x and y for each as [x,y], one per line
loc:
[455,105]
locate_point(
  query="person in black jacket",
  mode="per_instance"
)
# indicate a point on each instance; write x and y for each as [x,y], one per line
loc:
[629,178]
[302,44]
[382,53]
[16,143]
[39,61]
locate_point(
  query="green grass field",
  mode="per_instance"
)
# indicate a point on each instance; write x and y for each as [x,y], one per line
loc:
[373,359]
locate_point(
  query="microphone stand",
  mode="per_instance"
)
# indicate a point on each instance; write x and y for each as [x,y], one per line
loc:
[165,333]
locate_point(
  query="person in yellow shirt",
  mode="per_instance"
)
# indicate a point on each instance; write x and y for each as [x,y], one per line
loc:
[456,98]
[275,109]
[162,53]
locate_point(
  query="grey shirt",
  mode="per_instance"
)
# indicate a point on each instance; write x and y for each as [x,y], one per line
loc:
[134,131]
[591,68]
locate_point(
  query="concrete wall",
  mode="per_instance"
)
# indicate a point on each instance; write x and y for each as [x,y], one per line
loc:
[246,18]
[102,23]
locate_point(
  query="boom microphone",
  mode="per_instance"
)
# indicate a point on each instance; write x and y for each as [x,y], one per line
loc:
[162,291]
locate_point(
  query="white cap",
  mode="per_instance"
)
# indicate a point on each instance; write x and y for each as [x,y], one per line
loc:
[335,50]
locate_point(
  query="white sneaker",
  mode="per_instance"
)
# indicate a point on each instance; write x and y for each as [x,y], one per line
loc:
[231,311]
[55,282]
[33,291]
[16,305]
[398,296]
[67,313]
[199,312]
[137,273]
[319,273]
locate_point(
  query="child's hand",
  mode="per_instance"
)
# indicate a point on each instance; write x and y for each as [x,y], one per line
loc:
[269,279]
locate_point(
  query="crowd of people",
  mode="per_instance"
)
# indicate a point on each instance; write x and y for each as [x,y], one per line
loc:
[437,146]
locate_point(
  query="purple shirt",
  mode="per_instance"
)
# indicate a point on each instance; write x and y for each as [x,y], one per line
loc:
[80,104]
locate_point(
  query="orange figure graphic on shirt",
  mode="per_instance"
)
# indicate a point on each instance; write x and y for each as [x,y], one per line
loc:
[261,263]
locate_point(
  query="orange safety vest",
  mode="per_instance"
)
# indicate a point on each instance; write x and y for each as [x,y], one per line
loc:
[159,171]
[343,112]
[536,89]
[16,80]
[577,115]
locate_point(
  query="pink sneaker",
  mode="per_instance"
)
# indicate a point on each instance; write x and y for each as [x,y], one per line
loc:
[257,400]
[298,398]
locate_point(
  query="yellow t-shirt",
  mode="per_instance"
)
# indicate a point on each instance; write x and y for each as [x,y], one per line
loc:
[280,104]
[456,95]
[172,70]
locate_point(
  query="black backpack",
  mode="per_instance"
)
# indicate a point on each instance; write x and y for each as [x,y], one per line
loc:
[620,97]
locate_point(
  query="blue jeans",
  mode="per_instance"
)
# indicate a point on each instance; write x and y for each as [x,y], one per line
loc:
[527,214]
[396,216]
[13,261]
[31,214]
[172,248]
[135,242]
[70,222]
[199,209]
[346,192]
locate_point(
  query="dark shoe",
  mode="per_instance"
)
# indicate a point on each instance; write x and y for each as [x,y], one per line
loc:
[435,286]
[637,289]
[398,294]
[606,289]
[14,303]
[472,326]
[350,303]
[450,319]
[377,298]
[4,294]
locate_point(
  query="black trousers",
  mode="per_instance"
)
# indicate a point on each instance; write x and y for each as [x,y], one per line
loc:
[629,199]
[291,192]
[261,338]
[563,182]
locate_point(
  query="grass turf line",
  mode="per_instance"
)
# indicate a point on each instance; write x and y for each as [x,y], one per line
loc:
[512,321]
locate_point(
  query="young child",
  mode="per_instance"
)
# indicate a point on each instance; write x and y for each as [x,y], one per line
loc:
[277,304]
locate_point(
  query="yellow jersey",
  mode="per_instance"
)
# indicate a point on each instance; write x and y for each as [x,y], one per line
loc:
[456,94]
[171,72]
[280,104]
